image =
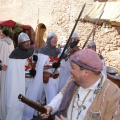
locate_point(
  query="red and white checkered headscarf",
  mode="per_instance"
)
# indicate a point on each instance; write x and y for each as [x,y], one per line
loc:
[87,59]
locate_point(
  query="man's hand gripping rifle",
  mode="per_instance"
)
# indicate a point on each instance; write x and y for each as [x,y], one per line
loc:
[33,104]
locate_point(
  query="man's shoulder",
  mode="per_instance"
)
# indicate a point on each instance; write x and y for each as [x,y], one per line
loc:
[3,43]
[42,57]
[6,41]
[112,87]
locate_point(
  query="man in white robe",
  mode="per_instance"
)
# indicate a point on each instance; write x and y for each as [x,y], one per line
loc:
[1,34]
[47,55]
[6,47]
[15,78]
[65,66]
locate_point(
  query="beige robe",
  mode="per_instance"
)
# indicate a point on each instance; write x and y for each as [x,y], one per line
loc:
[106,105]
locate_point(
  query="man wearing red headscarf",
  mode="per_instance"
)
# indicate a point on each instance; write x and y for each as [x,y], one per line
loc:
[89,95]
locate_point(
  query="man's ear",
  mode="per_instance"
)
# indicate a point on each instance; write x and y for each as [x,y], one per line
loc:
[86,72]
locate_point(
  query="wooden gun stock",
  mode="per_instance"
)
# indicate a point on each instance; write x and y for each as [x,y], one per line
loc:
[32,104]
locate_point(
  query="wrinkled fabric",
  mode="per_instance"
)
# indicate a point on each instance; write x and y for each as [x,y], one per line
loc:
[7,40]
[84,58]
[20,53]
[106,102]
[48,49]
[13,86]
[6,47]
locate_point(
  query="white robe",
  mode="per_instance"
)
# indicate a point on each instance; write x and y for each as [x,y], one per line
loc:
[36,87]
[5,50]
[64,73]
[14,85]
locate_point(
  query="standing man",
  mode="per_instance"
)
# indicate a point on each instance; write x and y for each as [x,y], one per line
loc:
[46,80]
[65,64]
[3,67]
[6,47]
[15,78]
[90,96]
[92,46]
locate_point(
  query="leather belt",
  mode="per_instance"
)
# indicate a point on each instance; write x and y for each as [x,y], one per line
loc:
[28,77]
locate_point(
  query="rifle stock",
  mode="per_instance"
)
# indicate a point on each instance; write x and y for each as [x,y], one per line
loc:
[34,105]
[92,30]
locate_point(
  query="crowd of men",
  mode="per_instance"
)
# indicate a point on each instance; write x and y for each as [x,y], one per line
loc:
[75,88]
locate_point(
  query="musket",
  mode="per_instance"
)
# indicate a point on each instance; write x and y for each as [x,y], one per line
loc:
[92,30]
[33,104]
[61,56]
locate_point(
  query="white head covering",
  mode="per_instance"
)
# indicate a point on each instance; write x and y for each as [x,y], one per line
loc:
[91,43]
[74,35]
[51,34]
[23,37]
[48,49]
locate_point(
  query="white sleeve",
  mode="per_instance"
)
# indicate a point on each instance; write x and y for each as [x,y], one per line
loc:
[104,71]
[55,103]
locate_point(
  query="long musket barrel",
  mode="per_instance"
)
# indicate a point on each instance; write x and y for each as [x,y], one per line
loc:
[92,30]
[71,33]
[62,54]
[32,104]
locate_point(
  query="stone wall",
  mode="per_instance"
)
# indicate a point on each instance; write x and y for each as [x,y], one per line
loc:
[108,43]
[59,16]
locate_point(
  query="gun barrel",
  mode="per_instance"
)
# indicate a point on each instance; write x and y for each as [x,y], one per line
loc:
[61,56]
[92,30]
